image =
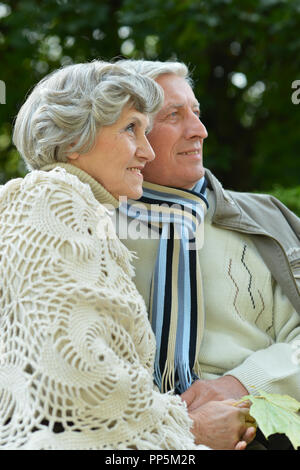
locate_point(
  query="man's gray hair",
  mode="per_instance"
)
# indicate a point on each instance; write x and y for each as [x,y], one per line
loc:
[66,109]
[155,68]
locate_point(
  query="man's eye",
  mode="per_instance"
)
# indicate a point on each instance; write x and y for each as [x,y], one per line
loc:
[197,113]
[173,114]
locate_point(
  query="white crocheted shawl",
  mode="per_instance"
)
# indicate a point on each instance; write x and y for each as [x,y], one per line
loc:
[76,347]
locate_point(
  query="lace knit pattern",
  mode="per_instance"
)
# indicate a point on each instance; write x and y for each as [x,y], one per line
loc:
[76,347]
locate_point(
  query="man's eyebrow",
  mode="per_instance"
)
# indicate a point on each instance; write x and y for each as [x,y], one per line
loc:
[172,106]
[196,104]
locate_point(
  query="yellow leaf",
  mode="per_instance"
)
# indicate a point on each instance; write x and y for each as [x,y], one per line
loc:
[276,413]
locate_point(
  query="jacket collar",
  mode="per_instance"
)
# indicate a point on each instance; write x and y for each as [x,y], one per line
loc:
[227,209]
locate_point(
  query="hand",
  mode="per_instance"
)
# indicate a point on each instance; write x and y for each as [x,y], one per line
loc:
[222,426]
[203,391]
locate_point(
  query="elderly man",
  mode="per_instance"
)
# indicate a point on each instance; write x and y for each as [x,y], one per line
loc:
[226,316]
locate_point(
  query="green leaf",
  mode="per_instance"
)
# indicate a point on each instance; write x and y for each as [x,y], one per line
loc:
[276,413]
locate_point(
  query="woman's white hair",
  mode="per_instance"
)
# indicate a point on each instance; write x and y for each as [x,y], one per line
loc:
[66,109]
[155,68]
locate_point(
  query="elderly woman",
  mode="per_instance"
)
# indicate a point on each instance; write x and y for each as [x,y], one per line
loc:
[77,350]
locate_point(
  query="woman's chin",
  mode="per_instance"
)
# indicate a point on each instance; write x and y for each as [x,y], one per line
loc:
[131,194]
[135,193]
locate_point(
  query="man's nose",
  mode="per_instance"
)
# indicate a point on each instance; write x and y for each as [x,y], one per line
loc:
[195,127]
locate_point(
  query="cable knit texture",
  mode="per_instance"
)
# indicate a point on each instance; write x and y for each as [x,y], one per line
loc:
[76,347]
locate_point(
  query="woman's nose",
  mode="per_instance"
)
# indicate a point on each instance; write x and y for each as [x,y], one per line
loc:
[145,150]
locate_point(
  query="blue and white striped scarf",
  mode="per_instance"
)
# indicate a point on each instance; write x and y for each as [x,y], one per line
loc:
[176,301]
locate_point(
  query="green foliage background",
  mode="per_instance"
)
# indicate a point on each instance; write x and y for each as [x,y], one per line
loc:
[244,57]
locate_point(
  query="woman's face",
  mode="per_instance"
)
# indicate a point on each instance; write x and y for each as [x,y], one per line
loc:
[120,152]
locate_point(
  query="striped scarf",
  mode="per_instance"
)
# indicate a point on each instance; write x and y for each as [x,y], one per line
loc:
[176,300]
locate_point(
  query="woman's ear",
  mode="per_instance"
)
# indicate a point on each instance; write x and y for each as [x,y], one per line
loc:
[73,156]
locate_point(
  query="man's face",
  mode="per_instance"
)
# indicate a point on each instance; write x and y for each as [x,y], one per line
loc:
[177,137]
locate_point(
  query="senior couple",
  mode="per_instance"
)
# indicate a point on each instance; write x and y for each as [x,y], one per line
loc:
[81,365]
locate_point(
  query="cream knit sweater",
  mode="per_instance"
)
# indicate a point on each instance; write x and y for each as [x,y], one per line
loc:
[250,325]
[76,347]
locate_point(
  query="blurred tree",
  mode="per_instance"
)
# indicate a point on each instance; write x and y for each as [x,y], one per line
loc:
[244,57]
[37,37]
[289,196]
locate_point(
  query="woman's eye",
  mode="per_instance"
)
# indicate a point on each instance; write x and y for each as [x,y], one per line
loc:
[130,127]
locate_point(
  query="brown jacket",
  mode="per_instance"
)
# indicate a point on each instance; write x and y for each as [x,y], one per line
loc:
[275,230]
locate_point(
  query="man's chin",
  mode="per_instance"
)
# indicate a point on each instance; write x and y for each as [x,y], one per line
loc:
[190,181]
[186,181]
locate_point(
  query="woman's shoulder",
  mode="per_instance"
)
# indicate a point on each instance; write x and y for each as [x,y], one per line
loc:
[53,184]
[59,179]
[51,200]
